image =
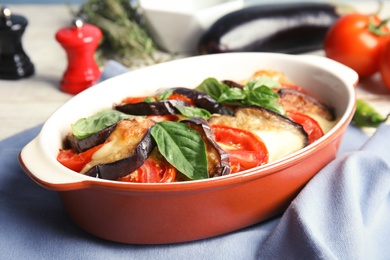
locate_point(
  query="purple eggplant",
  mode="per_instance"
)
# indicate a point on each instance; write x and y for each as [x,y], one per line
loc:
[161,107]
[203,100]
[285,28]
[292,99]
[81,145]
[123,167]
[125,150]
[218,159]
[232,84]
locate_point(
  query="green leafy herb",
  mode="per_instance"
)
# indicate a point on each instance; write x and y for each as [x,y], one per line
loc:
[366,116]
[212,87]
[259,92]
[182,147]
[85,127]
[256,92]
[149,99]
[193,111]
[165,95]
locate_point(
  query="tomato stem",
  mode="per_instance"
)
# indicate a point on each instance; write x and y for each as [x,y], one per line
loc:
[377,29]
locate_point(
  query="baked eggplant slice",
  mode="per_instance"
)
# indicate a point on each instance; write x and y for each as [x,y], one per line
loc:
[81,145]
[281,135]
[296,100]
[126,149]
[161,107]
[218,160]
[203,100]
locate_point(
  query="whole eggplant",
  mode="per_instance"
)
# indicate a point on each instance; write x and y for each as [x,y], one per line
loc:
[285,28]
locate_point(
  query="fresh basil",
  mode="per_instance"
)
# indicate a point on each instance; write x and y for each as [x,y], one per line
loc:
[256,92]
[182,147]
[193,111]
[213,87]
[149,99]
[165,95]
[88,126]
[259,92]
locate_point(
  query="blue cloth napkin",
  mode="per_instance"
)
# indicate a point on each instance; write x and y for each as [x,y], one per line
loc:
[342,213]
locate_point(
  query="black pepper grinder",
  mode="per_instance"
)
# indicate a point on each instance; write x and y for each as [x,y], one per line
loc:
[14,62]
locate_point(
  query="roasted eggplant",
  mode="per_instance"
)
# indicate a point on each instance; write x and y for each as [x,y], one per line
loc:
[161,107]
[281,135]
[128,146]
[292,99]
[218,160]
[286,28]
[81,145]
[203,100]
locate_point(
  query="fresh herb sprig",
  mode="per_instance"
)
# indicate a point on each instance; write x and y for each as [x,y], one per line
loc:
[258,91]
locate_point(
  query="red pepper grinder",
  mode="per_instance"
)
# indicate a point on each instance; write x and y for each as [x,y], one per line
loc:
[80,41]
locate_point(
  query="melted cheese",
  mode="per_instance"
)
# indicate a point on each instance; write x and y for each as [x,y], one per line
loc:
[279,143]
[326,125]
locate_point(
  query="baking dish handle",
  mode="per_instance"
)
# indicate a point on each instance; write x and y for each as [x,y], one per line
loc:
[48,174]
[337,68]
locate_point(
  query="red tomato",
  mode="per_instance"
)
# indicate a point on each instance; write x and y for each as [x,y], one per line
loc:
[384,65]
[246,150]
[352,42]
[75,161]
[182,98]
[155,169]
[134,100]
[311,126]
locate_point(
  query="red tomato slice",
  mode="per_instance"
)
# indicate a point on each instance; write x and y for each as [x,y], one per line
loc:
[246,150]
[155,169]
[134,100]
[175,96]
[75,161]
[311,126]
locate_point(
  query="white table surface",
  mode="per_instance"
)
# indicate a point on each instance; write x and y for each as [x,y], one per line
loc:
[28,102]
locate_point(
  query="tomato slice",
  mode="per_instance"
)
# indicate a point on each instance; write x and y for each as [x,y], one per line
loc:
[175,96]
[134,100]
[75,161]
[155,169]
[311,126]
[246,150]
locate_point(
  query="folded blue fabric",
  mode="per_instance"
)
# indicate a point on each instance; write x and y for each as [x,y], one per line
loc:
[342,213]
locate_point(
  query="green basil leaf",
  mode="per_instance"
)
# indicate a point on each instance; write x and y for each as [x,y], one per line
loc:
[260,94]
[212,87]
[182,147]
[149,99]
[85,127]
[263,81]
[193,111]
[263,95]
[231,94]
[165,95]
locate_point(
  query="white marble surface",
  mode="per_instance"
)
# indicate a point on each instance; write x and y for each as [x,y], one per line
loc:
[28,102]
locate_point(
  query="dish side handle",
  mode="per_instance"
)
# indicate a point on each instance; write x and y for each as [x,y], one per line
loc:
[336,67]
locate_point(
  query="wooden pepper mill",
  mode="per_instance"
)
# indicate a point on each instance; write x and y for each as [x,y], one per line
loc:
[80,41]
[14,62]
